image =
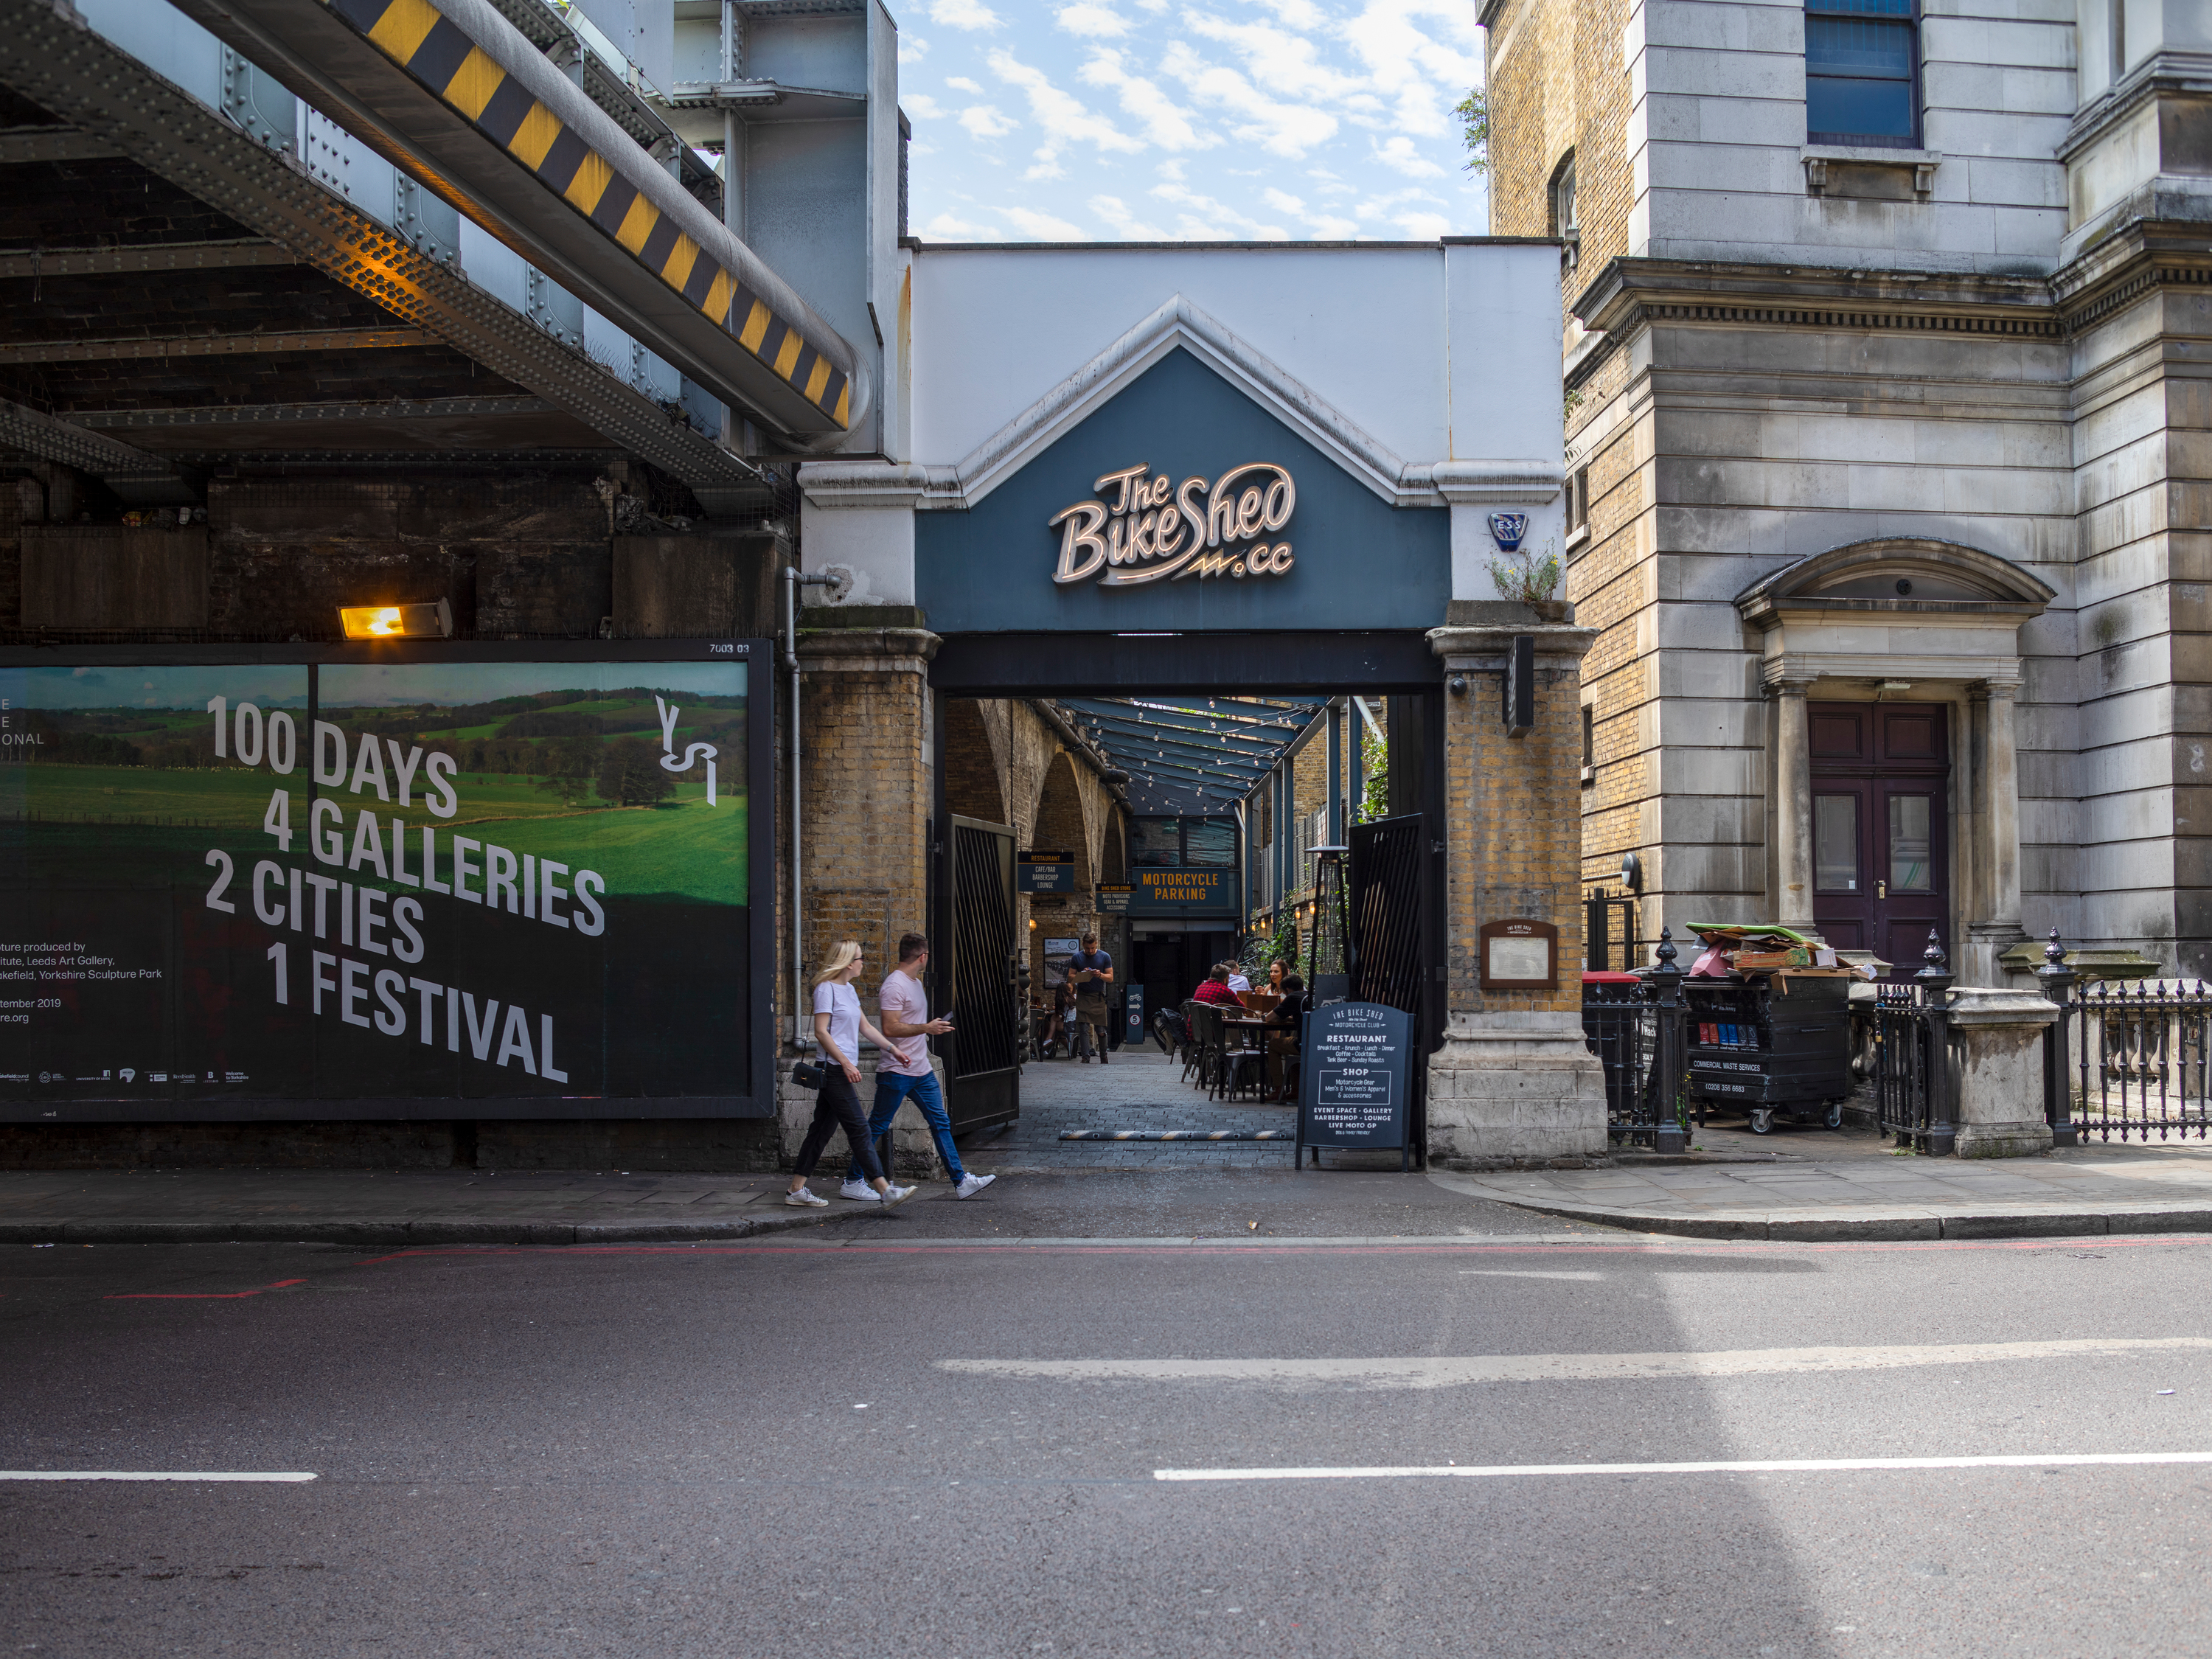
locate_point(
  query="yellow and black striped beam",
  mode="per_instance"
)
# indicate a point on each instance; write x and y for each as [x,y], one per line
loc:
[435,50]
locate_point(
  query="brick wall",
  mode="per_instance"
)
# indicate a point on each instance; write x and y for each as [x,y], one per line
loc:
[1557,82]
[1512,826]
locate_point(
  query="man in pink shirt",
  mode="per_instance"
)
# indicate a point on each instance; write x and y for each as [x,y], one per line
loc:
[902,1070]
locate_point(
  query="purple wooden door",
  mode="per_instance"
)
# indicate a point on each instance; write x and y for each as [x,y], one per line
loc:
[1880,854]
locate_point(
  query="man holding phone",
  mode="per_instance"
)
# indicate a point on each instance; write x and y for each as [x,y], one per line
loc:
[902,1070]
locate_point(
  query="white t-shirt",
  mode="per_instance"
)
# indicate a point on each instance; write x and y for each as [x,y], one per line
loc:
[842,1004]
[1238,983]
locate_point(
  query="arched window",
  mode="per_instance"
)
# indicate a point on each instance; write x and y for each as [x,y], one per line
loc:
[1560,211]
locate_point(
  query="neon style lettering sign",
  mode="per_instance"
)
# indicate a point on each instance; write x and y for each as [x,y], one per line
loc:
[1154,530]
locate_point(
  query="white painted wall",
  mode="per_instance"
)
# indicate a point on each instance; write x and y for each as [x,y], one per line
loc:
[996,328]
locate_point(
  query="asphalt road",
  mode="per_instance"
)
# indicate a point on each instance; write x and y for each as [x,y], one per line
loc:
[902,1444]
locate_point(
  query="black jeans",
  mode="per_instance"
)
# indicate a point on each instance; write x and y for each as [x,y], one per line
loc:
[838,1107]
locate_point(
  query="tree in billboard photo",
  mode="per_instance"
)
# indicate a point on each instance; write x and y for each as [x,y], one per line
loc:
[397,882]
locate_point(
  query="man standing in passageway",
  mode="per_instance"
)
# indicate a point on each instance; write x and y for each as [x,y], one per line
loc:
[1091,970]
[902,1072]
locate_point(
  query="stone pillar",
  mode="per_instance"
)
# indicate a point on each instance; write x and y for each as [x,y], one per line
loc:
[1996,1058]
[866,753]
[1792,804]
[1514,1082]
[1996,857]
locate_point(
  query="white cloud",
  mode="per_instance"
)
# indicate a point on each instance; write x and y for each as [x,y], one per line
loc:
[1287,65]
[986,121]
[1422,72]
[963,14]
[1206,219]
[1331,117]
[1165,122]
[1398,155]
[1278,124]
[958,229]
[1044,227]
[1087,17]
[1061,113]
[1425,227]
[1115,212]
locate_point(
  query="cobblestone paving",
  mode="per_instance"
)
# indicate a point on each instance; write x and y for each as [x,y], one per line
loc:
[1139,1089]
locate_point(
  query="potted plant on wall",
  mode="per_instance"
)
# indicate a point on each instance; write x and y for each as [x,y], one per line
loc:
[1532,579]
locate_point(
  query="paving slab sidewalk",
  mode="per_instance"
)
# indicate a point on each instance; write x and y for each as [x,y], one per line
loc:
[2108,1188]
[432,1207]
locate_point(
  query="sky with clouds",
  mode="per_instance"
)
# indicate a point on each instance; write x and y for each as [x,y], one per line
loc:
[1214,120]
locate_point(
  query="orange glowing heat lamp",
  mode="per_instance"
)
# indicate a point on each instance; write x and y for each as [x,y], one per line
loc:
[398,622]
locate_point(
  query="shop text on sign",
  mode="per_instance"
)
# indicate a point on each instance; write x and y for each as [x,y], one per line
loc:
[1147,529]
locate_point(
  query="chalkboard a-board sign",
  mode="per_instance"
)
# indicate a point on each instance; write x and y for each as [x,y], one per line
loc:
[1354,1068]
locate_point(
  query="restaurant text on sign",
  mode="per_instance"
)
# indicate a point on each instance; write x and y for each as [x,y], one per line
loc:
[1147,528]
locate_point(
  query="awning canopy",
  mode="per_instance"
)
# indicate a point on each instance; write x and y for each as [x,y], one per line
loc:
[1193,754]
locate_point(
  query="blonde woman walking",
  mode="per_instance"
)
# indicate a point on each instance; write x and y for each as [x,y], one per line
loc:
[838,1026]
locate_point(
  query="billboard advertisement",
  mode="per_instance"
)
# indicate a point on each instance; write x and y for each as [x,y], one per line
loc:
[462,881]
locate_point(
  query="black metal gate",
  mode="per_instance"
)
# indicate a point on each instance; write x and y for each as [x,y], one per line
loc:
[1912,1057]
[1393,941]
[983,1055]
[1387,861]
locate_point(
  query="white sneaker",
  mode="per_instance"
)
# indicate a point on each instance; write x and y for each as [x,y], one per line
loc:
[971,1185]
[894,1194]
[804,1200]
[858,1191]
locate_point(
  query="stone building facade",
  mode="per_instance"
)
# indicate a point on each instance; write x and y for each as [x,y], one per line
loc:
[1888,481]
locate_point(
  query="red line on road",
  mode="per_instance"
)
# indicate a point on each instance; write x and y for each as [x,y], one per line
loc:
[198,1295]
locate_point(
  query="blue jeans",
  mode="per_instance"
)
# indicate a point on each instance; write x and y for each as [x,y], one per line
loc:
[893,1089]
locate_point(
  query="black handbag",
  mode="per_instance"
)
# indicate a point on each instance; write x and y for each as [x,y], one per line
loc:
[810,1074]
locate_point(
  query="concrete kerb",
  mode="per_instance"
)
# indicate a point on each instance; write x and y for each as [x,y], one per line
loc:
[428,1230]
[1884,1226]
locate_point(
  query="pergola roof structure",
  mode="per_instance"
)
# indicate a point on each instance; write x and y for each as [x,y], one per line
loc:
[1193,755]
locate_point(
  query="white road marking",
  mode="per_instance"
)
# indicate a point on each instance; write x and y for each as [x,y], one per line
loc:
[1526,1272]
[1449,1372]
[286,1476]
[1769,1466]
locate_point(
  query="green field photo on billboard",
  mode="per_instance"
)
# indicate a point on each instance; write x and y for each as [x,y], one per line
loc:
[566,761]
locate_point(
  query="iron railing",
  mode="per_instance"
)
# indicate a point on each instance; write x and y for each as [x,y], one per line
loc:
[2141,1057]
[1911,1057]
[1636,1032]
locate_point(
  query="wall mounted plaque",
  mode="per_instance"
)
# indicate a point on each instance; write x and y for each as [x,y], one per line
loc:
[1519,955]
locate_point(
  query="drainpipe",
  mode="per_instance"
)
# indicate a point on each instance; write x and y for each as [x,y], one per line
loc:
[792,577]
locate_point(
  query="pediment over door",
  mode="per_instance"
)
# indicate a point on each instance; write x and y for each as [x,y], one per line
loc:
[1906,608]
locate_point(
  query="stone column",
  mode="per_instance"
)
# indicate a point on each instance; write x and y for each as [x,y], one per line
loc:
[1997,815]
[1792,804]
[1997,1057]
[865,795]
[1514,1082]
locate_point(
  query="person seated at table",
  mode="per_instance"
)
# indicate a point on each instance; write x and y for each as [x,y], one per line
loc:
[1063,1007]
[1276,971]
[1237,982]
[1283,1030]
[1216,986]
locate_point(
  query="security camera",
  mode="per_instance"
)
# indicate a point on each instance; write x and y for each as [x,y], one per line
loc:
[1457,683]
